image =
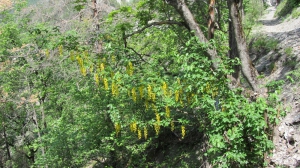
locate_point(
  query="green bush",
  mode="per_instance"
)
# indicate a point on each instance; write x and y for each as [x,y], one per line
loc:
[263,43]
[286,7]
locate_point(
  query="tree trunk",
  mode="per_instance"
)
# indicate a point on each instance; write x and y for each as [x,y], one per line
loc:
[211,20]
[233,52]
[247,67]
[186,14]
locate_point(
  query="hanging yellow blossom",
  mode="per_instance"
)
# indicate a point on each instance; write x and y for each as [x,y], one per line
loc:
[157,117]
[139,134]
[182,131]
[114,89]
[96,78]
[149,88]
[153,97]
[105,82]
[60,50]
[164,88]
[117,128]
[167,112]
[101,67]
[145,132]
[129,69]
[133,93]
[133,126]
[172,126]
[176,95]
[80,61]
[141,90]
[157,127]
[83,71]
[72,55]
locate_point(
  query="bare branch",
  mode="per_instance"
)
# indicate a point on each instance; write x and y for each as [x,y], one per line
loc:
[168,22]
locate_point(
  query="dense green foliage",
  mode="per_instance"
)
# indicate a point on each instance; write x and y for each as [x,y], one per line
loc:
[64,103]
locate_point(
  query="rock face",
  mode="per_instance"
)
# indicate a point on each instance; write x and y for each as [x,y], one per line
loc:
[275,65]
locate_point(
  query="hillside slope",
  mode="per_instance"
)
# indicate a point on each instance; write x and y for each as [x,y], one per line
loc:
[280,67]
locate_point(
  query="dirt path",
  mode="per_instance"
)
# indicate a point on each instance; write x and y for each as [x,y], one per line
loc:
[274,25]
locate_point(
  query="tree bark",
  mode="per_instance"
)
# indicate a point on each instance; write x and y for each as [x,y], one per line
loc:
[247,67]
[211,20]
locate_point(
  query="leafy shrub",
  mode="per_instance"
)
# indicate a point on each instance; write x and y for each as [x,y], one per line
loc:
[264,44]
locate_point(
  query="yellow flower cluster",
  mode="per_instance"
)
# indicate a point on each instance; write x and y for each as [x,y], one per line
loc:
[72,55]
[149,88]
[105,82]
[157,124]
[101,67]
[60,50]
[172,126]
[114,89]
[182,131]
[133,93]
[164,88]
[145,132]
[153,97]
[96,78]
[139,134]
[157,128]
[167,112]
[141,90]
[133,126]
[117,128]
[157,117]
[177,95]
[82,68]
[129,69]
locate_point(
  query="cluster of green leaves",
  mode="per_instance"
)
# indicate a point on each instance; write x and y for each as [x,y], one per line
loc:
[264,44]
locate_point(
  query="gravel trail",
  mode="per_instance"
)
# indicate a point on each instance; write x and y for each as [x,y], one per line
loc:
[273,25]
